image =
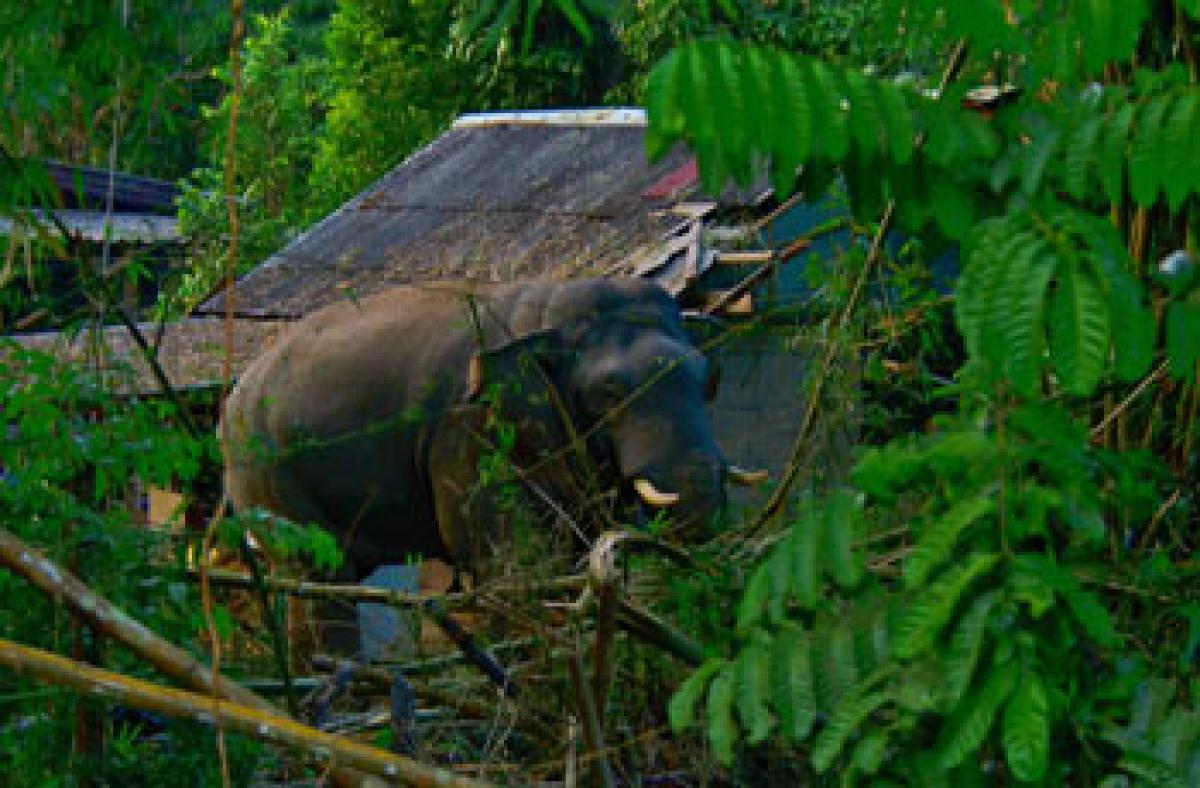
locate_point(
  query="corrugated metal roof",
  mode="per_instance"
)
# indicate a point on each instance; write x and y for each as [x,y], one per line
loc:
[538,195]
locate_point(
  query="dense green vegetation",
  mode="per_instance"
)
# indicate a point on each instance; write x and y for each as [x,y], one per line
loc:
[1028,612]
[1002,592]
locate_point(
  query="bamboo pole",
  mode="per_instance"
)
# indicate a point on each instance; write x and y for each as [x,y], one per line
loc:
[253,722]
[96,611]
[592,732]
[110,621]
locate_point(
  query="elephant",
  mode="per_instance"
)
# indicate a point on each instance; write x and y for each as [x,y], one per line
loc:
[375,418]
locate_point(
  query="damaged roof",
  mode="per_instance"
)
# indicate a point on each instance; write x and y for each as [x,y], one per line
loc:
[191,352]
[498,197]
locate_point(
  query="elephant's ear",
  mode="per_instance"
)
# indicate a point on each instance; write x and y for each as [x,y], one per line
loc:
[533,357]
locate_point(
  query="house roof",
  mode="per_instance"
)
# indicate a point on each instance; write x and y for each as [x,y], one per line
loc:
[191,353]
[95,226]
[498,197]
[76,199]
[88,188]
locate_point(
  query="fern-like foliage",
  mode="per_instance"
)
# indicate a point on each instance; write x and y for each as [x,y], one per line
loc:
[971,643]
[1141,142]
[1052,285]
[1059,41]
[1160,743]
[817,546]
[741,107]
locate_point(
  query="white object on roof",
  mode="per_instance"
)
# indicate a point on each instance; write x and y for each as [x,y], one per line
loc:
[596,116]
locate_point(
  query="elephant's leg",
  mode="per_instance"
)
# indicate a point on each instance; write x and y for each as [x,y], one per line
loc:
[335,621]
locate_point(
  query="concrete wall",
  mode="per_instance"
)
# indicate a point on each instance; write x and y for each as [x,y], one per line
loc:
[760,405]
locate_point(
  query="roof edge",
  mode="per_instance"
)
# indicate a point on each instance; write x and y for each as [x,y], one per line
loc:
[594,116]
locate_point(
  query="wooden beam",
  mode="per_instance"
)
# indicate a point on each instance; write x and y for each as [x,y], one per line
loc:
[747,257]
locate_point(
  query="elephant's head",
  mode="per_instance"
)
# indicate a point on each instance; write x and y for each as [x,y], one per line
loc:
[625,376]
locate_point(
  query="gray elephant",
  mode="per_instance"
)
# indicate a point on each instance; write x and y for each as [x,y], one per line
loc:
[374,418]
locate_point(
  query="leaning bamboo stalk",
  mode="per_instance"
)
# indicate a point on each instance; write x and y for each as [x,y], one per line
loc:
[253,722]
[100,614]
[110,621]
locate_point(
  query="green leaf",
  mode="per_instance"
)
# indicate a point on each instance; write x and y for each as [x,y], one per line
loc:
[1134,333]
[868,753]
[754,598]
[790,142]
[1178,172]
[1109,30]
[1112,153]
[966,645]
[922,621]
[973,719]
[867,127]
[825,82]
[1151,768]
[681,711]
[1088,611]
[779,586]
[573,15]
[752,687]
[937,539]
[842,519]
[1147,154]
[1079,329]
[898,121]
[1033,580]
[805,542]
[953,206]
[837,666]
[1183,338]
[792,695]
[846,718]
[722,729]
[1020,299]
[1079,156]
[870,624]
[1025,730]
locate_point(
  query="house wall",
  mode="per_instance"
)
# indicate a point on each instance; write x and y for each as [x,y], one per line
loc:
[759,408]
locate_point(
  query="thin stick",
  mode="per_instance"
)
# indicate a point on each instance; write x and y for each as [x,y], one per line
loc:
[1159,514]
[1124,404]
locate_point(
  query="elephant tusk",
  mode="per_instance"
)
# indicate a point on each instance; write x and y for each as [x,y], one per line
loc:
[746,478]
[652,495]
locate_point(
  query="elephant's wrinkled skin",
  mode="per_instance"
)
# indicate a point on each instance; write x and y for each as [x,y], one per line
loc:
[366,416]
